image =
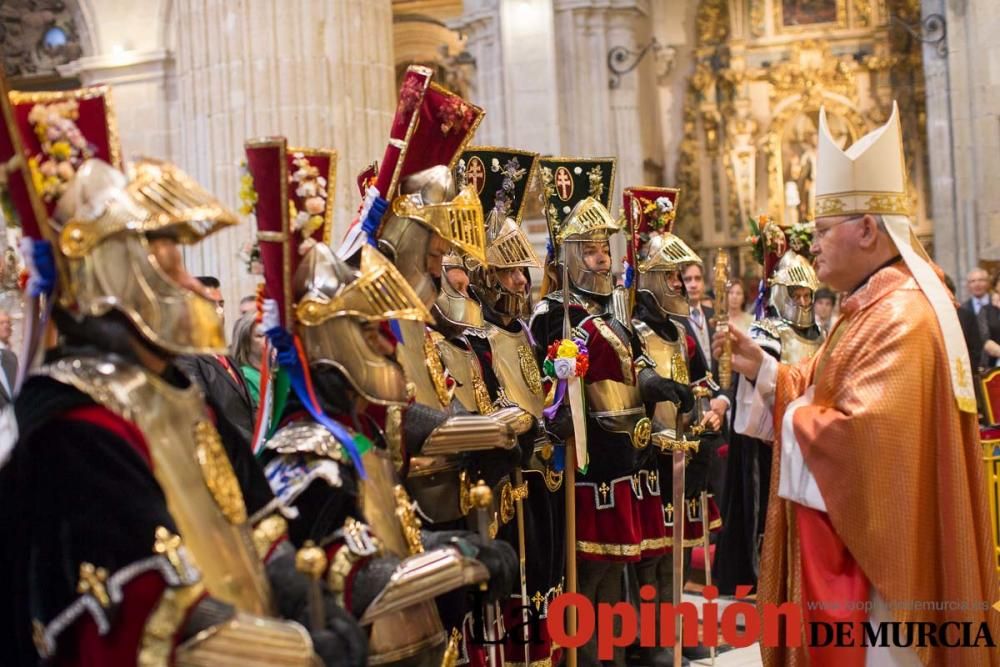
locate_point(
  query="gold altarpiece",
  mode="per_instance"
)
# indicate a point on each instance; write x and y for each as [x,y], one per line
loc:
[762,70]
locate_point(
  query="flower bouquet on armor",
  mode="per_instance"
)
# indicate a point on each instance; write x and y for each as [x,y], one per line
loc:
[565,365]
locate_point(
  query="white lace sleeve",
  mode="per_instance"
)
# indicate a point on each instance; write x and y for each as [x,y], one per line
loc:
[755,402]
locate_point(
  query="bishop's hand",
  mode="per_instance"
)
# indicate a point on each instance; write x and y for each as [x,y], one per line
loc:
[747,355]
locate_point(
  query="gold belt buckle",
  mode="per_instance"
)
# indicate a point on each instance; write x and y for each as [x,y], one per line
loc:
[642,432]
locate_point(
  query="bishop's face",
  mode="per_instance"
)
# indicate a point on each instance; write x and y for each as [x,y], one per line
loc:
[835,247]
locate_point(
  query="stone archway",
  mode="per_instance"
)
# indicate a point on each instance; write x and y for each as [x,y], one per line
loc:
[425,41]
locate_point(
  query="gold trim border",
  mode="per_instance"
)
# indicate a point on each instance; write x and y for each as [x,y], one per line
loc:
[286,255]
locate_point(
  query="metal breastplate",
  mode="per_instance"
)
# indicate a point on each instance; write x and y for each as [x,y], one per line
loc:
[432,480]
[463,365]
[516,369]
[421,362]
[616,406]
[795,347]
[191,467]
[671,363]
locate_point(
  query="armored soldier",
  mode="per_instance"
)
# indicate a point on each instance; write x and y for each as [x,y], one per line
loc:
[655,259]
[446,437]
[531,508]
[788,332]
[131,543]
[609,526]
[339,314]
[428,218]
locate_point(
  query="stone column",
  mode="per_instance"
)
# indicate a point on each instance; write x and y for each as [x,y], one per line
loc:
[595,120]
[582,75]
[944,211]
[627,134]
[319,72]
[480,24]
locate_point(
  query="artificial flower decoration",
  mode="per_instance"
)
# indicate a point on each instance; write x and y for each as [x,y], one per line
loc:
[455,114]
[63,147]
[310,187]
[565,359]
[248,194]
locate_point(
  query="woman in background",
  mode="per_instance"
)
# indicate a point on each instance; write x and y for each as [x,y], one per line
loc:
[246,350]
[738,315]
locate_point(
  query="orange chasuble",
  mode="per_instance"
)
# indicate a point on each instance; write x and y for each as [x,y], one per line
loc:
[901,473]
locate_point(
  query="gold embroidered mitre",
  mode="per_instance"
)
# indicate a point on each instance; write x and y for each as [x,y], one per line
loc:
[868,177]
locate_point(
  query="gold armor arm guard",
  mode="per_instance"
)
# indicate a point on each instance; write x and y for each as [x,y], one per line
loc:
[249,641]
[469,433]
[519,420]
[423,577]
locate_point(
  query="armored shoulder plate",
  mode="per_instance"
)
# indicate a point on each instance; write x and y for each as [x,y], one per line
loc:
[307,437]
[592,307]
[619,308]
[769,327]
[779,336]
[189,464]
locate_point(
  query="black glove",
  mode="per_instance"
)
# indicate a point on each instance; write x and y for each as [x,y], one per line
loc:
[696,472]
[561,424]
[342,642]
[497,556]
[369,580]
[493,464]
[419,421]
[656,389]
[526,444]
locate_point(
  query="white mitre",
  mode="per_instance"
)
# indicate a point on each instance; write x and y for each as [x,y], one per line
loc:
[870,177]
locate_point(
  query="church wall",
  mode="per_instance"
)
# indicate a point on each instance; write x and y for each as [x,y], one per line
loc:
[193,79]
[964,133]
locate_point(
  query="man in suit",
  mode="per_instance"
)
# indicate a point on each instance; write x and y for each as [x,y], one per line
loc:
[700,326]
[970,327]
[8,360]
[987,318]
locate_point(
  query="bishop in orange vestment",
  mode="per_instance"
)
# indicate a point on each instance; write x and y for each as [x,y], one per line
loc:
[878,497]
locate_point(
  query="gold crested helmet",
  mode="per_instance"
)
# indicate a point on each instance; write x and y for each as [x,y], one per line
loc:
[788,270]
[104,226]
[331,306]
[576,195]
[455,307]
[501,176]
[654,252]
[338,311]
[430,128]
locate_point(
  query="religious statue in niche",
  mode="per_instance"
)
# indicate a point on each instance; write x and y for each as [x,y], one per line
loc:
[36,36]
[798,159]
[807,12]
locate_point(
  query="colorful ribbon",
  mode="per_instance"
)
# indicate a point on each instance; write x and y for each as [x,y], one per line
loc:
[292,359]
